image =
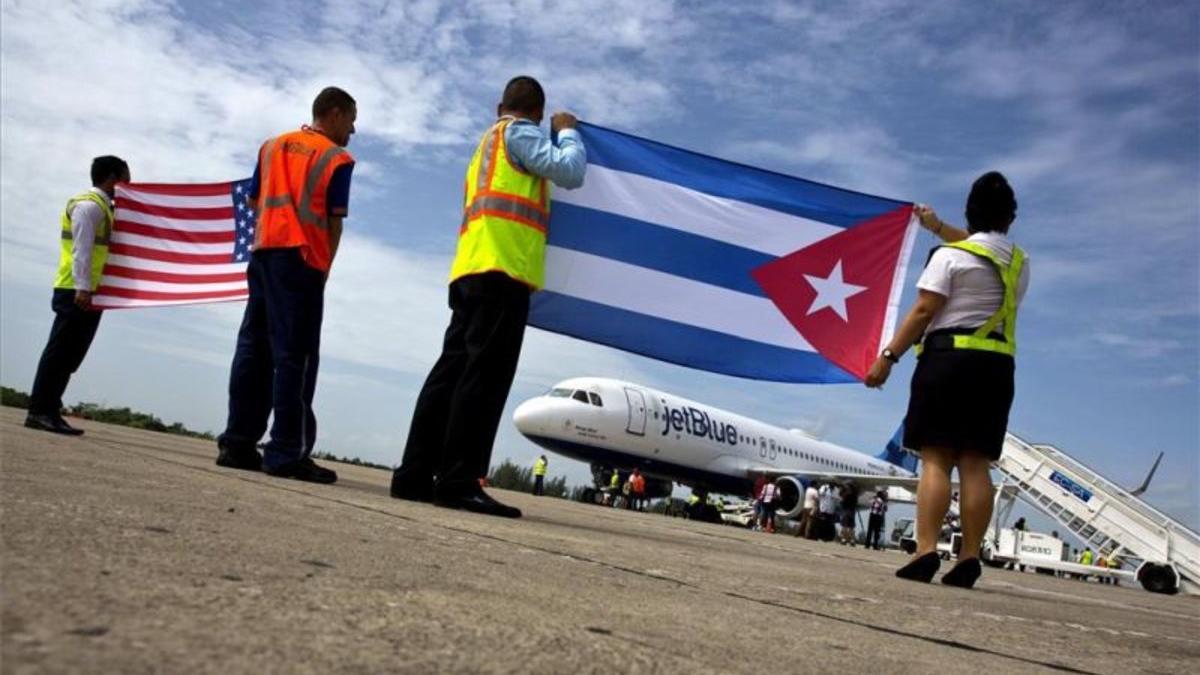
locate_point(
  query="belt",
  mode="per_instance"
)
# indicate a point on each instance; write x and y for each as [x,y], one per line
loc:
[944,339]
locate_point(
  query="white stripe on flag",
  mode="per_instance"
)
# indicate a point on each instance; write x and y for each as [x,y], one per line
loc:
[665,296]
[170,287]
[174,268]
[670,205]
[218,225]
[179,201]
[115,302]
[131,239]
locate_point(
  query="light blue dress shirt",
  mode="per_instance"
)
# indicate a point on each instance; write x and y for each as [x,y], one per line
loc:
[533,150]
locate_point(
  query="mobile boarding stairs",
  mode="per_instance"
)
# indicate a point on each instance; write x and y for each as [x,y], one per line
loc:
[1105,517]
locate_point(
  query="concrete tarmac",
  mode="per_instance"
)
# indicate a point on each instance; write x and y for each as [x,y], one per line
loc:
[130,552]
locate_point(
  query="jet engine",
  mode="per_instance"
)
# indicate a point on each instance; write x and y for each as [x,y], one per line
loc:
[791,497]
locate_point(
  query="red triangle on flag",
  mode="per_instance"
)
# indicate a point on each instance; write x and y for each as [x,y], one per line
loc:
[836,291]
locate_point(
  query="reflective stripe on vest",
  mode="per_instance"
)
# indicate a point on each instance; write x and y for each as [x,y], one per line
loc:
[1010,275]
[66,257]
[295,170]
[506,213]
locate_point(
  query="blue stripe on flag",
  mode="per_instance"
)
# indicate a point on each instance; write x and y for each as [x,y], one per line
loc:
[679,343]
[655,247]
[799,197]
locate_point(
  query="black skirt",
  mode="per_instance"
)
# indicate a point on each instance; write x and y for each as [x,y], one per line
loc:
[960,399]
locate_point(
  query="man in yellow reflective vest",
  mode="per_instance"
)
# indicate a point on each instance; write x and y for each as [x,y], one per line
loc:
[539,476]
[85,226]
[500,261]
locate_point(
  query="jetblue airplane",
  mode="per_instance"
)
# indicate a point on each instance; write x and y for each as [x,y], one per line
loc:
[612,424]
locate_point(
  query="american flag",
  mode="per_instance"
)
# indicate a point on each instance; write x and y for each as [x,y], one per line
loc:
[177,244]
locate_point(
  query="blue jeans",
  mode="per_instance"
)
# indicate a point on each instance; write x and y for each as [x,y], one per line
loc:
[278,351]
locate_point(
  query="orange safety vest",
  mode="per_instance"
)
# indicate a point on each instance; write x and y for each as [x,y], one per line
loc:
[294,174]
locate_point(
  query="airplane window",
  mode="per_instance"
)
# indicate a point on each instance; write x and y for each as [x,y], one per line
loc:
[580,396]
[560,393]
[596,399]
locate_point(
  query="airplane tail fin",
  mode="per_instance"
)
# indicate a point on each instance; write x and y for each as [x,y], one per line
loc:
[894,453]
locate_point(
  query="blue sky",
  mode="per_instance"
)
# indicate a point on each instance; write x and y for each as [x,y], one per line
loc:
[1092,109]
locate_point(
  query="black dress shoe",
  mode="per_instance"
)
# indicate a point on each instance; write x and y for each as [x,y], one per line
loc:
[52,423]
[921,569]
[302,469]
[964,574]
[411,489]
[233,456]
[476,501]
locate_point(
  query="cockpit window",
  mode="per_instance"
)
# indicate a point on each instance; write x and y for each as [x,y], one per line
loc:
[580,396]
[596,399]
[559,393]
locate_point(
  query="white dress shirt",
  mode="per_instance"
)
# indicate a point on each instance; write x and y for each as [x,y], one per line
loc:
[86,216]
[970,284]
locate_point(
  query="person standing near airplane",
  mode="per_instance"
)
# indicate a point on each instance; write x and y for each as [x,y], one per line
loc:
[500,260]
[879,507]
[826,511]
[85,227]
[962,388]
[767,502]
[808,517]
[539,476]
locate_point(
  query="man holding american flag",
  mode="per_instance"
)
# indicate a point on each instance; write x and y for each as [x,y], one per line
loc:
[300,192]
[86,225]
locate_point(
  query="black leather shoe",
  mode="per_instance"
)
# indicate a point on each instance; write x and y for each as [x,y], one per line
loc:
[964,574]
[475,501]
[412,489]
[921,569]
[238,457]
[52,423]
[302,469]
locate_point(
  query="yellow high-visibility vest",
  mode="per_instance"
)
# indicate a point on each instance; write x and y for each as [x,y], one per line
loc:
[616,479]
[539,467]
[506,213]
[66,277]
[1010,275]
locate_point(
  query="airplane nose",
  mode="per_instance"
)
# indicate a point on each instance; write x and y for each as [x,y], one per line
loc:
[528,417]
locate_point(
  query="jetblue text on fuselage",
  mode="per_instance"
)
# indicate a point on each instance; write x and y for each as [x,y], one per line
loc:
[697,423]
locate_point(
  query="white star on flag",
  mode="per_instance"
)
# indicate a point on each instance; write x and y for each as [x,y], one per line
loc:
[832,292]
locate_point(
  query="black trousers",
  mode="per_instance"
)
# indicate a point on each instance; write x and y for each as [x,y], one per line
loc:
[278,352]
[459,408]
[539,486]
[874,529]
[71,335]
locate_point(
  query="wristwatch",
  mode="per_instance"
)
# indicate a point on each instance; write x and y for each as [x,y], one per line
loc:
[891,356]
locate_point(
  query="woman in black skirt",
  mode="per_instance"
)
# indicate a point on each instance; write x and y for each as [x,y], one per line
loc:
[962,388]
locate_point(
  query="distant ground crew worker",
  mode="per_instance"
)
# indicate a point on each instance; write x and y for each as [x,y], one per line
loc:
[301,191]
[807,526]
[614,488]
[499,262]
[637,489]
[879,507]
[539,476]
[767,499]
[86,225]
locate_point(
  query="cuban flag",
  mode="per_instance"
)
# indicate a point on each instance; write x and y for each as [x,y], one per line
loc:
[720,266]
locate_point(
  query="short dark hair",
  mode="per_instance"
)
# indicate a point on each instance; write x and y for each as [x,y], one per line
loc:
[107,167]
[991,206]
[523,94]
[330,99]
